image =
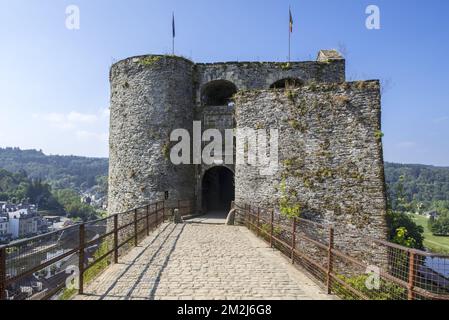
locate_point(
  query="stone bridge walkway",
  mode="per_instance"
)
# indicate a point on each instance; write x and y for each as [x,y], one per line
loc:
[202,262]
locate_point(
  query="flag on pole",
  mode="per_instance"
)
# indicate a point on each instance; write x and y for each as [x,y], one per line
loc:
[173,33]
[290,31]
[173,26]
[291,20]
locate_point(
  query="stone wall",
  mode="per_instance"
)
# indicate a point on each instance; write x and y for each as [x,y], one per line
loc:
[330,156]
[255,75]
[261,75]
[150,97]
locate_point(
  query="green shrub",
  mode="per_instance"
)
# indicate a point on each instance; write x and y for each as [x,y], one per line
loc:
[288,206]
[149,61]
[387,291]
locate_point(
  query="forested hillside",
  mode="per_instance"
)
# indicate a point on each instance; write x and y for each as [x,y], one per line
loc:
[419,184]
[60,172]
[16,187]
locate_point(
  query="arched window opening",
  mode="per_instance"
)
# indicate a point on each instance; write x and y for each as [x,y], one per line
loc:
[218,93]
[287,83]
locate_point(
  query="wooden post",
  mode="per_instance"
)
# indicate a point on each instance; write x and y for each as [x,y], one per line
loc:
[330,260]
[258,222]
[293,240]
[3,273]
[272,228]
[135,227]
[147,218]
[411,276]
[81,258]
[116,238]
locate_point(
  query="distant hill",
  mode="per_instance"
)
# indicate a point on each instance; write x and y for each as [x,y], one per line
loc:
[79,173]
[421,183]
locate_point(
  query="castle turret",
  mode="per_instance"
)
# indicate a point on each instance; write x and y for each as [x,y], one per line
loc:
[150,97]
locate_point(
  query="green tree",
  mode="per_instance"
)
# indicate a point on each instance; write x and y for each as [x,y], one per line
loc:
[404,231]
[73,206]
[440,225]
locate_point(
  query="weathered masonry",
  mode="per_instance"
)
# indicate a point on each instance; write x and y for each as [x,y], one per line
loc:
[330,138]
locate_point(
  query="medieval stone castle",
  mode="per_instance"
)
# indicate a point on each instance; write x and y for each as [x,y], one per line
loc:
[330,148]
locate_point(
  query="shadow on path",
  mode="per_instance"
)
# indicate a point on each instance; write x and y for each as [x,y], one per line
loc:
[131,264]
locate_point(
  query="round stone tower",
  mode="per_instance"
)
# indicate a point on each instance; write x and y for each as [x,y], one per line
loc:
[150,97]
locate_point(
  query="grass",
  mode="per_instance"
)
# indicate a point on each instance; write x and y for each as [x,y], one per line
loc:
[92,273]
[431,242]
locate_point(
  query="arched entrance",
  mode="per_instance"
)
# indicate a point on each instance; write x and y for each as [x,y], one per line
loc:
[218,190]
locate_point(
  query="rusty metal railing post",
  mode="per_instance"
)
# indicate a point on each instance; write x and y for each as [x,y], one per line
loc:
[3,273]
[81,258]
[330,262]
[250,218]
[116,238]
[147,220]
[245,217]
[272,228]
[163,211]
[135,227]
[157,215]
[411,276]
[293,240]
[258,222]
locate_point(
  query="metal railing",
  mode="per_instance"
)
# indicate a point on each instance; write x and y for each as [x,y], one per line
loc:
[387,272]
[63,262]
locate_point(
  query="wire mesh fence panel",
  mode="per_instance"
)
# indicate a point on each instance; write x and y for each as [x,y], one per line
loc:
[311,250]
[432,274]
[38,262]
[98,248]
[141,224]
[57,265]
[384,272]
[49,282]
[126,232]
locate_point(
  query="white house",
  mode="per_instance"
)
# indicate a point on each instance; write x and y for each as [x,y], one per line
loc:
[4,228]
[23,223]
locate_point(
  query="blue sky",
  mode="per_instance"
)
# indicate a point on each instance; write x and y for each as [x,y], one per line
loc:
[54,82]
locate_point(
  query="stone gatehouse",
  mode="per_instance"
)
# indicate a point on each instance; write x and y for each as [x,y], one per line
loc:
[330,137]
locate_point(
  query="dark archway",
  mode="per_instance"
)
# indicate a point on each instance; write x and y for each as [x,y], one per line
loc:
[218,190]
[287,83]
[218,93]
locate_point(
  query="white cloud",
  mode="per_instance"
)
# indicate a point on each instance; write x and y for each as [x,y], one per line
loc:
[105,113]
[76,117]
[72,120]
[441,119]
[406,144]
[88,135]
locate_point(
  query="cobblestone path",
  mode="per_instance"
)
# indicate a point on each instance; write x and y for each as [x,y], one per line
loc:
[197,261]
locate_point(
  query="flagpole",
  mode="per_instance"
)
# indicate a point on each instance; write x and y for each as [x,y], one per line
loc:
[289,32]
[289,43]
